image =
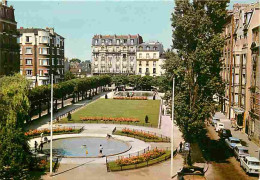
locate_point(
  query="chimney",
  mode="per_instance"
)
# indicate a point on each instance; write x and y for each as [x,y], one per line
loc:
[4,2]
[21,27]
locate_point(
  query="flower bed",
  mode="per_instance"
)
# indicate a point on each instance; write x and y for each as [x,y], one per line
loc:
[155,153]
[131,98]
[120,119]
[139,133]
[37,132]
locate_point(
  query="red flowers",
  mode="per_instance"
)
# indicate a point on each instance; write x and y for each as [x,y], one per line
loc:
[120,119]
[131,98]
[141,158]
[37,132]
[139,133]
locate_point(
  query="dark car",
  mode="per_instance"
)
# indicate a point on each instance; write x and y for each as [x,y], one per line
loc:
[224,133]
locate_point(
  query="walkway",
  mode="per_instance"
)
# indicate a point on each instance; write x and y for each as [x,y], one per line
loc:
[253,148]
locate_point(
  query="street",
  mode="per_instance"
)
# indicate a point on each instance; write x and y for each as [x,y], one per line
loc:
[228,169]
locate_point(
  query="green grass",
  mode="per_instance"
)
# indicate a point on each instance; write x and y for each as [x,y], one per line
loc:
[119,108]
[114,167]
[142,138]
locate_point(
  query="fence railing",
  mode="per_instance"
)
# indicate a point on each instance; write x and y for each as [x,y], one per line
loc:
[162,137]
[149,162]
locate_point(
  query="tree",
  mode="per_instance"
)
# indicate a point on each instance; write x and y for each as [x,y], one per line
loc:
[197,28]
[75,60]
[15,156]
[68,76]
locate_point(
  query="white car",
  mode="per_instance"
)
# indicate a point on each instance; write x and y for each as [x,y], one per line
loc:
[240,152]
[233,142]
[250,164]
[214,121]
[219,126]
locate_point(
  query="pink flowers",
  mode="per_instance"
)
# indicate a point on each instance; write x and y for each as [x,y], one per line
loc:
[119,119]
[131,98]
[139,159]
[139,133]
[37,132]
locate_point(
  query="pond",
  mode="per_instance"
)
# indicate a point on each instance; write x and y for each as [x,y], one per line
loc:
[86,147]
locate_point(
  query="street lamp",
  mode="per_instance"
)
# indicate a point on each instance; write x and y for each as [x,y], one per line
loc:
[173,84]
[51,124]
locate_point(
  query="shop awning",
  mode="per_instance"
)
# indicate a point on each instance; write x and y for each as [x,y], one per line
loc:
[238,110]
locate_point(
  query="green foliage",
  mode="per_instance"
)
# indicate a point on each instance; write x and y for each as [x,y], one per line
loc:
[69,75]
[195,65]
[73,60]
[15,156]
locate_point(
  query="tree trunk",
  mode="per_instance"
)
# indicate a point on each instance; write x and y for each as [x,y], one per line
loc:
[62,101]
[40,109]
[48,101]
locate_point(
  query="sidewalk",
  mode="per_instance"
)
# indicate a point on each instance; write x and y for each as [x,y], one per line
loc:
[43,121]
[253,148]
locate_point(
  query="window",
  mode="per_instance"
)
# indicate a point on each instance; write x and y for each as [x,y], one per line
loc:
[154,70]
[147,56]
[140,63]
[118,41]
[28,72]
[28,61]
[96,41]
[154,48]
[21,50]
[147,70]
[27,39]
[124,55]
[154,63]
[132,41]
[140,70]
[44,62]
[147,48]
[125,41]
[154,55]
[140,55]
[44,39]
[44,51]
[110,41]
[103,41]
[28,51]
[147,63]
[53,61]
[58,52]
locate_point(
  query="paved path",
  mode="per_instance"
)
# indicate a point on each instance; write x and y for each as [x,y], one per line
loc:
[98,172]
[253,148]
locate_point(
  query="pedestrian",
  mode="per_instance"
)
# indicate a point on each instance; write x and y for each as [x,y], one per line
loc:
[45,139]
[180,147]
[57,119]
[41,146]
[100,149]
[35,146]
[69,116]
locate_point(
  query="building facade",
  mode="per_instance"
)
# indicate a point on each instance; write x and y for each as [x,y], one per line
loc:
[9,48]
[113,54]
[149,59]
[41,54]
[240,70]
[80,69]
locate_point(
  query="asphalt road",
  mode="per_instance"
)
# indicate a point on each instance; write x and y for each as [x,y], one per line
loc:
[228,170]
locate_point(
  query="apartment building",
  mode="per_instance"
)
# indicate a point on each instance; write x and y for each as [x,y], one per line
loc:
[240,71]
[114,54]
[149,59]
[41,54]
[9,48]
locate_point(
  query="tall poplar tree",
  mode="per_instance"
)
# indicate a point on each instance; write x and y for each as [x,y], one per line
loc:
[195,61]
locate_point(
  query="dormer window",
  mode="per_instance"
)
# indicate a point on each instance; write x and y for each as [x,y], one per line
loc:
[155,48]
[147,48]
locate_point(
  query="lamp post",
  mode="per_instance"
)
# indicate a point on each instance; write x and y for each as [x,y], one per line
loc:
[173,84]
[51,124]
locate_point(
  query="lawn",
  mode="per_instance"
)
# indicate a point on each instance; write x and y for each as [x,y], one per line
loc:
[119,108]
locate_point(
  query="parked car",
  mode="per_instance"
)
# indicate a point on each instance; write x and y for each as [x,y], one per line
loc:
[240,152]
[214,121]
[219,126]
[250,164]
[224,133]
[232,142]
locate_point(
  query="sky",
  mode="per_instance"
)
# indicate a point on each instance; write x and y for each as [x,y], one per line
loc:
[79,21]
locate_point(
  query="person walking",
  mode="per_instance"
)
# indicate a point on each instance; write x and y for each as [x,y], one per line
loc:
[35,146]
[180,147]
